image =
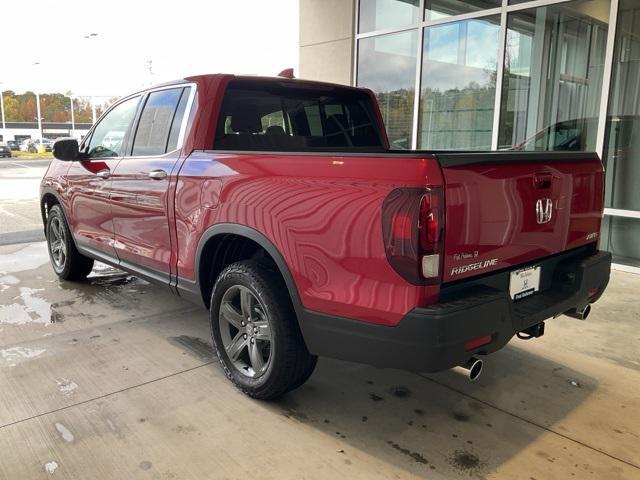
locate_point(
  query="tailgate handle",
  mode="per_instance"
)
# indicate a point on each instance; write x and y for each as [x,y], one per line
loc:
[542,180]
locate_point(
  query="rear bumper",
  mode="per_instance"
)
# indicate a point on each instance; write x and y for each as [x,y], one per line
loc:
[433,338]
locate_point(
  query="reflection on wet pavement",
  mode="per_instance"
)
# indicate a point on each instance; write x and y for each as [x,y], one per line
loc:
[32,299]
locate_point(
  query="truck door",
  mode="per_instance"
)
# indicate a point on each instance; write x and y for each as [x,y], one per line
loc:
[90,179]
[141,184]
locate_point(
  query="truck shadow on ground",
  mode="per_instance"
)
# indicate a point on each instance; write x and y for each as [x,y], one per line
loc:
[436,425]
[440,423]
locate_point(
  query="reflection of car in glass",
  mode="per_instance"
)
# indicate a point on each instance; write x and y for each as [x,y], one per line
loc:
[5,151]
[13,145]
[580,134]
[401,144]
[113,140]
[569,135]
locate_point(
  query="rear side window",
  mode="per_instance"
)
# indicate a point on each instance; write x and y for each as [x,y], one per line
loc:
[273,115]
[160,122]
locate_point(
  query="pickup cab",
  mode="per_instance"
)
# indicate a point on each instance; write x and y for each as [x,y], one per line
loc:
[277,204]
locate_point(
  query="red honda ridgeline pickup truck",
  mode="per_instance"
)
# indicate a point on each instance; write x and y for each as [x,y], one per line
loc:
[277,204]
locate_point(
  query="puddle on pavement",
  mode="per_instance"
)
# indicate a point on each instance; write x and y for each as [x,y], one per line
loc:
[30,309]
[26,305]
[12,356]
[6,281]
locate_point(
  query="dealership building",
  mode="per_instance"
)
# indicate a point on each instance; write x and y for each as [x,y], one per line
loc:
[495,75]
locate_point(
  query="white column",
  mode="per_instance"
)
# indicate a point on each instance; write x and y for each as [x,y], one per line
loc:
[2,109]
[497,103]
[73,119]
[415,124]
[39,116]
[606,82]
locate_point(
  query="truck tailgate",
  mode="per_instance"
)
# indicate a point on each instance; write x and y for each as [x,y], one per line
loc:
[504,209]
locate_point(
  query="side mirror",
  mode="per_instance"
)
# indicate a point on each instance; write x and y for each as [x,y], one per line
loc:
[66,149]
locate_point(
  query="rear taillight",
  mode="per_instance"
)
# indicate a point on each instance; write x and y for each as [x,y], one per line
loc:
[412,226]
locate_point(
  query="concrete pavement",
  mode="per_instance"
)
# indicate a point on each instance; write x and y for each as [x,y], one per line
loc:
[115,378]
[19,209]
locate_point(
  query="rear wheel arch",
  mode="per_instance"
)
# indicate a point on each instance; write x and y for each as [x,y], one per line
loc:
[227,243]
[47,200]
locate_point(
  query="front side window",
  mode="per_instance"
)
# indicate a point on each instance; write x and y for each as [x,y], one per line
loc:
[277,116]
[156,120]
[108,137]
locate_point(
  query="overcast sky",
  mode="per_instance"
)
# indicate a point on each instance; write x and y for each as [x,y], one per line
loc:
[45,49]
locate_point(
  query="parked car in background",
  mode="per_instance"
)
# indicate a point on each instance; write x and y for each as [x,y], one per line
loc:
[24,145]
[277,204]
[33,145]
[5,151]
[13,145]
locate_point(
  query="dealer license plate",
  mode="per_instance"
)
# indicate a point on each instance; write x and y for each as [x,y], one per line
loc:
[524,283]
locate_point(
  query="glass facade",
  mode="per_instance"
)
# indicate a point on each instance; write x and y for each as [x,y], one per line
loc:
[438,9]
[383,14]
[458,88]
[553,70]
[514,75]
[622,141]
[387,66]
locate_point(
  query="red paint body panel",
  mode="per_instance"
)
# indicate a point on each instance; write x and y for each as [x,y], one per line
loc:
[140,212]
[491,213]
[321,212]
[88,207]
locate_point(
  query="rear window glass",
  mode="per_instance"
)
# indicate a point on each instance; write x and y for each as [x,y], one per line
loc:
[279,116]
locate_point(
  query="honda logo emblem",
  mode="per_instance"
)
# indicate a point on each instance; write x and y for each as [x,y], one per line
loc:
[544,210]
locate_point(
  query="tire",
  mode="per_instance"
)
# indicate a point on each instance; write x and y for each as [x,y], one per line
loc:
[67,262]
[285,361]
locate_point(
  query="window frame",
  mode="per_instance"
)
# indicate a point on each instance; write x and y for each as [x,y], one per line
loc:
[86,141]
[183,125]
[145,101]
[143,96]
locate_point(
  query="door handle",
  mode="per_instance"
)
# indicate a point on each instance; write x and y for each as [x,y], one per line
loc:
[103,173]
[157,174]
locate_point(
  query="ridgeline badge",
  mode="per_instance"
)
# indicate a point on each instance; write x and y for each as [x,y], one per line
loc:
[474,266]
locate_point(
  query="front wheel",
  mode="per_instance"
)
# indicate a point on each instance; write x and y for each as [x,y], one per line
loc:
[255,332]
[67,262]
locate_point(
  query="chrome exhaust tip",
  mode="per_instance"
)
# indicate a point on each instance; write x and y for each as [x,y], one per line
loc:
[580,314]
[472,368]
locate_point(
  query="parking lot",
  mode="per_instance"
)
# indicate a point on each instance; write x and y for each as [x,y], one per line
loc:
[115,378]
